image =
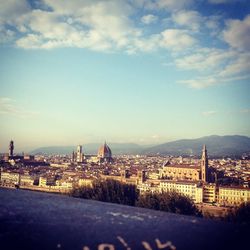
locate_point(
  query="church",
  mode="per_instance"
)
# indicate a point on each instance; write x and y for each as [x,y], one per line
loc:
[104,154]
[187,172]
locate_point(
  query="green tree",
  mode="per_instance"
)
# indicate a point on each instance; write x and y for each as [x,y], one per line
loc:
[108,191]
[169,202]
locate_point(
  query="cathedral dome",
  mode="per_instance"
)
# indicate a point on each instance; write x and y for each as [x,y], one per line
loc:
[104,151]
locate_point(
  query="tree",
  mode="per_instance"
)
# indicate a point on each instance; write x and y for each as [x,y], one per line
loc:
[170,202]
[240,215]
[108,191]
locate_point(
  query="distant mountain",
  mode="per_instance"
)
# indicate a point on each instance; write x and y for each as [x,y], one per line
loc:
[92,148]
[217,146]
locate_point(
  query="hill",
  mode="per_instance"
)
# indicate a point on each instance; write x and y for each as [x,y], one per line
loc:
[218,146]
[91,148]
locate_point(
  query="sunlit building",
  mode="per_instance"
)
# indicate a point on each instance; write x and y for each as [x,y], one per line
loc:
[79,154]
[104,154]
[233,196]
[188,188]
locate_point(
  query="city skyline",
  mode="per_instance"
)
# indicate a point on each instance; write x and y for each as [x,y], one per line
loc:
[140,71]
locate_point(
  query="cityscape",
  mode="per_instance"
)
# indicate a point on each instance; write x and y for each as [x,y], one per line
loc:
[124,124]
[214,185]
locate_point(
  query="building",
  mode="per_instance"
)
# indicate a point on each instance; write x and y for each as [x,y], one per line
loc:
[180,172]
[233,196]
[104,154]
[209,193]
[10,178]
[141,176]
[85,182]
[187,172]
[26,180]
[188,188]
[46,181]
[79,154]
[11,148]
[204,165]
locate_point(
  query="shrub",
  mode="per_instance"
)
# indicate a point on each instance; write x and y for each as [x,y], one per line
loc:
[170,202]
[240,215]
[108,191]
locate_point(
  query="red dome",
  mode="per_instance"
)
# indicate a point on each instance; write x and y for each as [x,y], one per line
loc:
[104,151]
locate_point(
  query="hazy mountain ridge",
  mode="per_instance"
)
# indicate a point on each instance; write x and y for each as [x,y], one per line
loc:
[230,145]
[92,148]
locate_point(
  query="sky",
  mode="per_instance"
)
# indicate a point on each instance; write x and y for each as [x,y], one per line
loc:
[140,71]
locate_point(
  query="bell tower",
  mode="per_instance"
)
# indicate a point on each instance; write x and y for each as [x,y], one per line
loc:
[11,148]
[204,165]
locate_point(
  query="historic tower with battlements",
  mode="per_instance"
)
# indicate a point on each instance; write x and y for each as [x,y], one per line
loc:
[204,165]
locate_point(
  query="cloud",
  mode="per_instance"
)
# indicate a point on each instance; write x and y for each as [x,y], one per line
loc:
[200,82]
[110,26]
[191,19]
[173,4]
[203,59]
[177,39]
[148,19]
[8,106]
[97,25]
[237,34]
[225,1]
[245,111]
[209,113]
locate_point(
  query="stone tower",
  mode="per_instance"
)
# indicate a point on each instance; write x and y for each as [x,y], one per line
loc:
[11,148]
[204,165]
[79,154]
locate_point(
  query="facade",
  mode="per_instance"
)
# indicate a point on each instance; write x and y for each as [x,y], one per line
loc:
[26,180]
[233,196]
[141,175]
[209,193]
[85,182]
[104,154]
[180,172]
[65,184]
[46,181]
[190,189]
[187,172]
[10,178]
[79,154]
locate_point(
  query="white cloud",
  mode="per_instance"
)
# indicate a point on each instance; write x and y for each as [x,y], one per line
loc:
[12,8]
[204,59]
[109,26]
[200,83]
[176,39]
[148,19]
[209,113]
[245,111]
[97,25]
[8,106]
[237,34]
[174,4]
[191,19]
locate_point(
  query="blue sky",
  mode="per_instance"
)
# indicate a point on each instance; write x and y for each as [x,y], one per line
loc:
[140,71]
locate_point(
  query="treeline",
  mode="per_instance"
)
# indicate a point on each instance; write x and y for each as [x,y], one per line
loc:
[126,194]
[240,215]
[108,191]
